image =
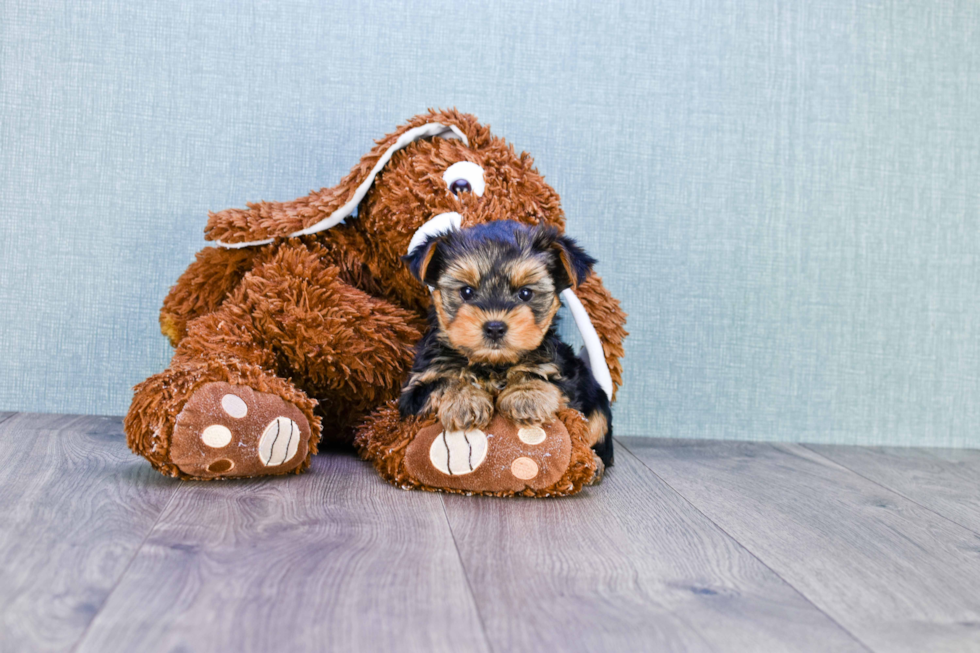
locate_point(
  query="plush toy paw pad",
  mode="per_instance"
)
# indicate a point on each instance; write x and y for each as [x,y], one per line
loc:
[279,441]
[502,458]
[531,435]
[216,436]
[234,406]
[221,466]
[231,430]
[458,452]
[524,468]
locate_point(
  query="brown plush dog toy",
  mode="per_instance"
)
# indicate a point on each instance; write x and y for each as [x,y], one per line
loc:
[302,324]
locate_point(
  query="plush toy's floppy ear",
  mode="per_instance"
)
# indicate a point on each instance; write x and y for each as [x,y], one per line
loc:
[425,261]
[262,222]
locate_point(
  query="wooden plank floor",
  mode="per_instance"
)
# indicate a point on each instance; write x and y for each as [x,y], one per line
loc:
[897,576]
[686,546]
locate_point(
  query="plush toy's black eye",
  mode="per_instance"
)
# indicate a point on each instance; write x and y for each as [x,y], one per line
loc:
[465,177]
[466,293]
[460,186]
[525,294]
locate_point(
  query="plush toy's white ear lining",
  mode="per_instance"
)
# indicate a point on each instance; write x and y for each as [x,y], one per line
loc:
[435,226]
[428,130]
[440,224]
[593,346]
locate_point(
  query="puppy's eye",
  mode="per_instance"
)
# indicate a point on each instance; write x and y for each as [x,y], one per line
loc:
[525,294]
[464,177]
[466,292]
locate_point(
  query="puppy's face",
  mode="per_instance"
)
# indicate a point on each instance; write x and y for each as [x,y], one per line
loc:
[496,286]
[495,302]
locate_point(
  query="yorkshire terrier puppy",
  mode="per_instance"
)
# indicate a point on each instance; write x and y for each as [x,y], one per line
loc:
[492,344]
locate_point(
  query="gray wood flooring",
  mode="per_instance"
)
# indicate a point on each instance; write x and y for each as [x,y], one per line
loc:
[686,546]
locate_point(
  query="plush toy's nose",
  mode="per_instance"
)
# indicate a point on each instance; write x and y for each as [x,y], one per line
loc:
[495,330]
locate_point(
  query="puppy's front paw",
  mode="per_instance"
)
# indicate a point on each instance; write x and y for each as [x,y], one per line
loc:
[465,408]
[535,402]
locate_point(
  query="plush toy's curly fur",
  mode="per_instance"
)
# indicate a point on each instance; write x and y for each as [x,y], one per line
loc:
[329,322]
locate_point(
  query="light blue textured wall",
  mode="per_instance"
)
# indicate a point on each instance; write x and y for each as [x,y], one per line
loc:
[785,195]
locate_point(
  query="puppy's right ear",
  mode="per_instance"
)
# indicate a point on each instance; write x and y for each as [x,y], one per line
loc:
[425,262]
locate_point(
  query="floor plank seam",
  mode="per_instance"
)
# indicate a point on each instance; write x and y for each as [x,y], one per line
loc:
[125,570]
[745,548]
[466,576]
[888,489]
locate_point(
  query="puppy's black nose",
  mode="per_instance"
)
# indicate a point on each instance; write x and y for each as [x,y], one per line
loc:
[494,330]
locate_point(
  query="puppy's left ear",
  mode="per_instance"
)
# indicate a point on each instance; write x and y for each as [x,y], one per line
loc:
[573,265]
[425,262]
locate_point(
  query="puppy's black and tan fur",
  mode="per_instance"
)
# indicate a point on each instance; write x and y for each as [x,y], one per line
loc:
[492,344]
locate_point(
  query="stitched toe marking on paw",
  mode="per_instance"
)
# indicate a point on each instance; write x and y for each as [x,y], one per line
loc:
[458,452]
[279,441]
[531,435]
[216,436]
[524,468]
[234,406]
[220,466]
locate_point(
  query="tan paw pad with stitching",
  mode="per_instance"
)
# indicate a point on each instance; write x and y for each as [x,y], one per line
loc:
[503,458]
[229,430]
[458,452]
[279,441]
